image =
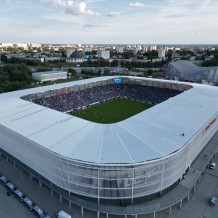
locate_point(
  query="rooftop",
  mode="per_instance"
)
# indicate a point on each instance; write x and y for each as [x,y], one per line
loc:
[50,72]
[76,54]
[151,134]
[189,68]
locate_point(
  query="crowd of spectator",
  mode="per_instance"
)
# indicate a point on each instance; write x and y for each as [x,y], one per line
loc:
[76,100]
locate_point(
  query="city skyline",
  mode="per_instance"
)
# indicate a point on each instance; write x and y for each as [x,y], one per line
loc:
[109,22]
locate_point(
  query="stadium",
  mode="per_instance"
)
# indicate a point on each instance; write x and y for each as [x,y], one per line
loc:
[187,71]
[122,163]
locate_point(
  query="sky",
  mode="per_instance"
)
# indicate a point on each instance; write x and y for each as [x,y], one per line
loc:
[109,21]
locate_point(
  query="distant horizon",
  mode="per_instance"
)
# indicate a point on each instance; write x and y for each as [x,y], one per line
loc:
[110,21]
[117,44]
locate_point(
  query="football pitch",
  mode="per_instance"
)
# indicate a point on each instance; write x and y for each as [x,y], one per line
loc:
[112,111]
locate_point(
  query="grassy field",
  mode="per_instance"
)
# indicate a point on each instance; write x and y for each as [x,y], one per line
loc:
[112,111]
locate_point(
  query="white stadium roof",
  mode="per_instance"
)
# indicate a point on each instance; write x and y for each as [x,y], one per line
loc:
[151,134]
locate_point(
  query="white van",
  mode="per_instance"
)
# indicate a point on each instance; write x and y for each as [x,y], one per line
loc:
[63,214]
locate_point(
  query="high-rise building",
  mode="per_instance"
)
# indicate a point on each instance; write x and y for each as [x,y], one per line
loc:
[35,45]
[136,50]
[152,47]
[21,45]
[161,53]
[144,48]
[103,54]
[7,44]
[119,49]
[86,49]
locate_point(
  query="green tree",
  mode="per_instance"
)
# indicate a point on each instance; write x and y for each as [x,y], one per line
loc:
[114,63]
[107,71]
[127,54]
[43,69]
[4,58]
[72,71]
[13,77]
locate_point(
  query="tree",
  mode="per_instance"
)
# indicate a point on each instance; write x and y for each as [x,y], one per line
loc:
[127,54]
[72,72]
[151,54]
[13,77]
[4,58]
[210,63]
[149,72]
[114,63]
[43,69]
[169,56]
[107,71]
[87,72]
[150,64]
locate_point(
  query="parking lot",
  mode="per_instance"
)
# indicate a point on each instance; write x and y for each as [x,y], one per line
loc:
[197,207]
[40,196]
[11,207]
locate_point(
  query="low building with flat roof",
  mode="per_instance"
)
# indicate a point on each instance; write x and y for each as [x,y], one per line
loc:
[49,75]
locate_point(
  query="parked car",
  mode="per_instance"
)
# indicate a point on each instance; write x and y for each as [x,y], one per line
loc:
[47,216]
[212,166]
[28,203]
[18,194]
[10,186]
[3,179]
[213,200]
[38,211]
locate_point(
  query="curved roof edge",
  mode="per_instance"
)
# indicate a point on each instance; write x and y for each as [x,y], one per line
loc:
[149,135]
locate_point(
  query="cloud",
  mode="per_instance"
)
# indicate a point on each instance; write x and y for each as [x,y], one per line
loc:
[136,5]
[196,17]
[93,26]
[74,7]
[173,9]
[113,14]
[86,27]
[53,2]
[198,33]
[204,4]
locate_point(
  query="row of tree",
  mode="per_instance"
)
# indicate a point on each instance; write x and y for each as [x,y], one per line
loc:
[140,64]
[97,63]
[126,64]
[88,72]
[13,77]
[14,60]
[211,63]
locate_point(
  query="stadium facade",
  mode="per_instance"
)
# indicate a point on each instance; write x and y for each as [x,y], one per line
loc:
[187,71]
[118,163]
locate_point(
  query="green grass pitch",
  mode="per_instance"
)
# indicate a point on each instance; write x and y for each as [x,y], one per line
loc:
[112,111]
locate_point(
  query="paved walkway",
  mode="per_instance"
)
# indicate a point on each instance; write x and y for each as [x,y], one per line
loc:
[10,207]
[198,206]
